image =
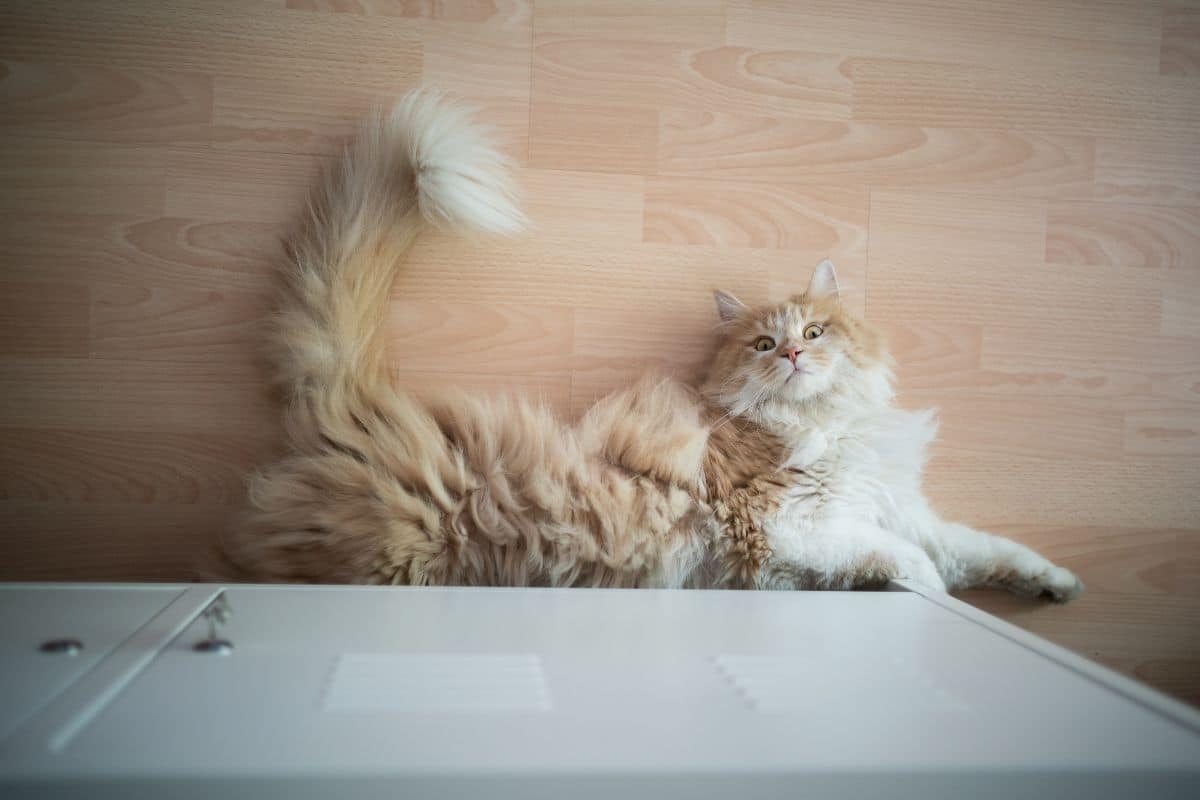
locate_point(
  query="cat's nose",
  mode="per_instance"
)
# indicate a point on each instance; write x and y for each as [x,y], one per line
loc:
[791,353]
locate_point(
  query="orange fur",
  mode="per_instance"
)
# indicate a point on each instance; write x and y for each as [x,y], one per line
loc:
[660,484]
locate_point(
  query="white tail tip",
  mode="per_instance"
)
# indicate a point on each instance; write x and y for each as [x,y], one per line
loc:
[461,179]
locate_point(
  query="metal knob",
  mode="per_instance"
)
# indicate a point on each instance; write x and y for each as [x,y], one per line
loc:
[217,614]
[69,647]
[221,647]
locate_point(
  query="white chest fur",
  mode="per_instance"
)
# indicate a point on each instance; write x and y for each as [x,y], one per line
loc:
[861,472]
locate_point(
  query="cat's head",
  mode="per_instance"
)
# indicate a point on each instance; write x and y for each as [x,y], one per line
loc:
[789,357]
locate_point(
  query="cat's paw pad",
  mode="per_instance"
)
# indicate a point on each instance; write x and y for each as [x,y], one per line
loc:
[1058,585]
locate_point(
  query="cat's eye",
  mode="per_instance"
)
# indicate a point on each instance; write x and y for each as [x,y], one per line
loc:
[764,343]
[813,331]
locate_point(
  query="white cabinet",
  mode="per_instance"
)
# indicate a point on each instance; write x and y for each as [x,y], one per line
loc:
[97,617]
[386,692]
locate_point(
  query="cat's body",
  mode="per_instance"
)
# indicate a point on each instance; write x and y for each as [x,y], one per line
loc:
[788,468]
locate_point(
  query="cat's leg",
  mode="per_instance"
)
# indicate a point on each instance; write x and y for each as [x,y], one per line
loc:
[969,558]
[845,555]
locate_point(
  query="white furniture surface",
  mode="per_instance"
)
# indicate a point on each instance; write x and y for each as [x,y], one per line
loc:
[443,692]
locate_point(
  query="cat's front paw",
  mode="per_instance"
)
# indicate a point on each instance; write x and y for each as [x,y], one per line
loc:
[1057,584]
[809,447]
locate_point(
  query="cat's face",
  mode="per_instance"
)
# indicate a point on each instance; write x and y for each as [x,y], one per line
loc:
[792,352]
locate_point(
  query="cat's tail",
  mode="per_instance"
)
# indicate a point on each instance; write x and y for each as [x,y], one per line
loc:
[425,162]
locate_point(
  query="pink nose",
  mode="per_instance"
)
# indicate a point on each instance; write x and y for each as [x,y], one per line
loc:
[791,353]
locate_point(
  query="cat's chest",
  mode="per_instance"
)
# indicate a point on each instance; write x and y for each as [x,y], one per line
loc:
[836,480]
[860,471]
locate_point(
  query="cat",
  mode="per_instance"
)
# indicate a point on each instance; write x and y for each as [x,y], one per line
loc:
[788,467]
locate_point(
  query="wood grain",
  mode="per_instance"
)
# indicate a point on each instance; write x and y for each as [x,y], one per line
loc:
[592,138]
[974,422]
[698,22]
[1180,299]
[216,184]
[488,68]
[1123,234]
[289,116]
[500,13]
[1116,560]
[480,337]
[664,74]
[827,220]
[1185,575]
[1162,432]
[1149,172]
[584,205]
[443,268]
[127,249]
[1146,371]
[987,265]
[993,489]
[711,144]
[107,542]
[616,347]
[100,104]
[1087,103]
[1050,35]
[1133,633]
[1010,190]
[113,467]
[553,389]
[222,37]
[44,319]
[48,177]
[931,356]
[152,324]
[110,394]
[1180,53]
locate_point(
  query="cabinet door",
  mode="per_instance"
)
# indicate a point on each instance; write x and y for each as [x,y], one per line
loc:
[98,617]
[344,682]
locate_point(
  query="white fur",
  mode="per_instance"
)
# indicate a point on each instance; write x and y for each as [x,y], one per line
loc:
[859,461]
[461,179]
[862,497]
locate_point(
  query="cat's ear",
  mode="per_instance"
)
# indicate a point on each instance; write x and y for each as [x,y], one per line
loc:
[824,282]
[729,307]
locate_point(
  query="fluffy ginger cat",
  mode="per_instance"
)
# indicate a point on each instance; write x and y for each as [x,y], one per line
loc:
[788,468]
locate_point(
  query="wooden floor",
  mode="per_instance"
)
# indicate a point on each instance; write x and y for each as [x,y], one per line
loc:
[1012,189]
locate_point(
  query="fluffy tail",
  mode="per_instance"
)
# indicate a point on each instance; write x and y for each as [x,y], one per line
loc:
[423,163]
